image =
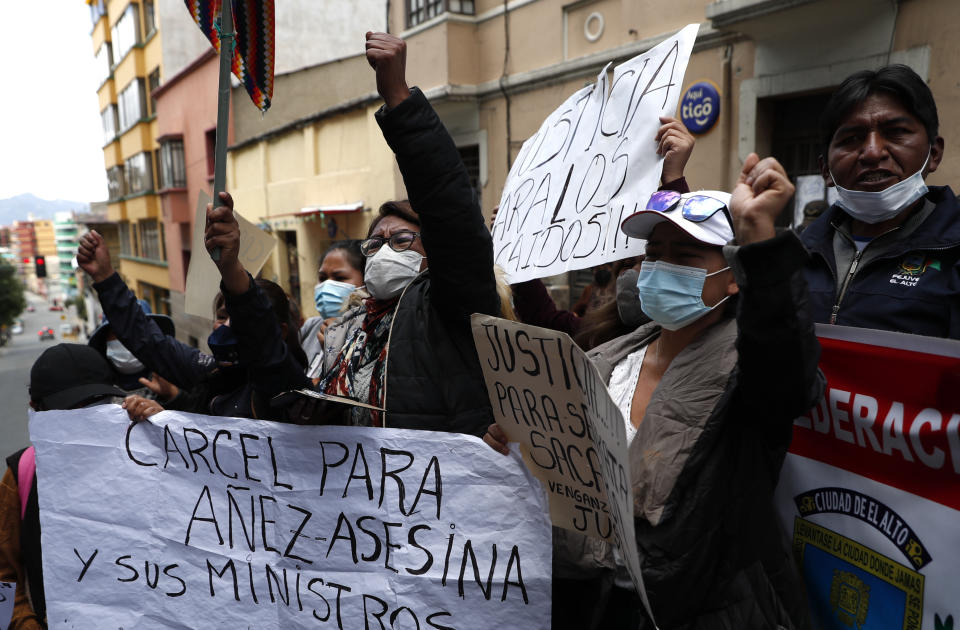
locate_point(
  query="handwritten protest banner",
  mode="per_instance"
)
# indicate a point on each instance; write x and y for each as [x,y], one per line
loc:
[592,163]
[870,490]
[193,521]
[547,396]
[203,279]
[7,590]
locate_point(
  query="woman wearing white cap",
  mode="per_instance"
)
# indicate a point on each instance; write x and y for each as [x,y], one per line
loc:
[709,400]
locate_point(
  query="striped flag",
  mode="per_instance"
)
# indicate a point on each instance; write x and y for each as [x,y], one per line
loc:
[253,53]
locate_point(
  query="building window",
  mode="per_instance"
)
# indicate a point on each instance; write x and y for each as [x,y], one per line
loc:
[461,6]
[150,246]
[153,83]
[104,58]
[173,173]
[149,21]
[124,233]
[419,11]
[138,172]
[98,8]
[125,33]
[115,184]
[159,299]
[108,117]
[132,104]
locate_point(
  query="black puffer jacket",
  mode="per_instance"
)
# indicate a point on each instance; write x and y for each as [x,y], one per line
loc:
[434,381]
[240,392]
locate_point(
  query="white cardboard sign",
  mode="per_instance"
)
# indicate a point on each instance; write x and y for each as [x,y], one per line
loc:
[592,163]
[251,524]
[547,396]
[203,278]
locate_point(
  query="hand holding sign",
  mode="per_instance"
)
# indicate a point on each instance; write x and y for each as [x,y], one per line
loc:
[222,235]
[675,145]
[594,161]
[387,54]
[140,408]
[758,198]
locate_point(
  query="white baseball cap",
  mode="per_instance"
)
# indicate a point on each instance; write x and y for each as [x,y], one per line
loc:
[702,214]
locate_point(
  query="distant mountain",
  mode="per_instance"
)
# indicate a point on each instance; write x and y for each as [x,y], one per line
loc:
[19,207]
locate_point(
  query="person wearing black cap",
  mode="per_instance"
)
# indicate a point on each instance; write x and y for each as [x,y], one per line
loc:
[708,400]
[132,375]
[66,376]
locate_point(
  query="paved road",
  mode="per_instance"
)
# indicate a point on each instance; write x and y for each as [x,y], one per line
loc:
[16,359]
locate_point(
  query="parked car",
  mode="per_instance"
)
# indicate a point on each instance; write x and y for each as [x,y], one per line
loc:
[46,333]
[17,328]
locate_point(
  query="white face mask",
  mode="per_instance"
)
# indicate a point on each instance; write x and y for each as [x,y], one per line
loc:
[388,272]
[122,359]
[874,207]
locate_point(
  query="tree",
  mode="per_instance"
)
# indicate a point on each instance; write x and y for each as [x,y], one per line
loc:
[12,300]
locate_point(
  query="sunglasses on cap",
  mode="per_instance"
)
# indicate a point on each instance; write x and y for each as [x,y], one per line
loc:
[695,208]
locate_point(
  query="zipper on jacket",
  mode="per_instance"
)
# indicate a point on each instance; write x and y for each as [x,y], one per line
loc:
[856,263]
[846,282]
[853,265]
[386,360]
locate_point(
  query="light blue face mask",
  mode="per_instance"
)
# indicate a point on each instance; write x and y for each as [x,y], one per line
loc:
[329,295]
[672,295]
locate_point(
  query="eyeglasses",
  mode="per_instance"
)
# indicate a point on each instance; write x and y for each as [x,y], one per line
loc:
[399,242]
[695,208]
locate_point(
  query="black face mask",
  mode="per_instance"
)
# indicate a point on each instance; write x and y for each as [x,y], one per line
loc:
[602,277]
[224,345]
[628,299]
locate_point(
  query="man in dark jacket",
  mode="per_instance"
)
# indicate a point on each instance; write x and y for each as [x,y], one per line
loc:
[887,254]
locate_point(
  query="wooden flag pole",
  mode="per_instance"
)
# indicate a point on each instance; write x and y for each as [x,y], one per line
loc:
[227,40]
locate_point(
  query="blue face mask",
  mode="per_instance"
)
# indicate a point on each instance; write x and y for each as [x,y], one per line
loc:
[672,295]
[225,345]
[329,295]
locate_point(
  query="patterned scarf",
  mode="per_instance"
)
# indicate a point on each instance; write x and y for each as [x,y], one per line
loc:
[358,372]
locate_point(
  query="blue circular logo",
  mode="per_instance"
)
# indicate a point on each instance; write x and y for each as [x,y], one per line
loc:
[700,107]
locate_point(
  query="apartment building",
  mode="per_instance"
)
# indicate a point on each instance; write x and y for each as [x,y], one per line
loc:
[127,45]
[494,70]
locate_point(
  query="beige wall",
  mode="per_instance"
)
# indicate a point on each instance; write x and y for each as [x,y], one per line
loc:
[335,161]
[320,145]
[934,22]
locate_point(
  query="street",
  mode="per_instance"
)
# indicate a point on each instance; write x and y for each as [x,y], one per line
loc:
[16,359]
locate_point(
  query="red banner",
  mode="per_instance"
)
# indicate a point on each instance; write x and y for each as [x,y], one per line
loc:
[870,490]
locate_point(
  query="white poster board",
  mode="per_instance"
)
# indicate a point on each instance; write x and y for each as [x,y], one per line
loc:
[203,277]
[592,163]
[548,397]
[254,524]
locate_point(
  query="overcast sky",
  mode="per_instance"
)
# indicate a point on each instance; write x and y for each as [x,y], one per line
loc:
[51,141]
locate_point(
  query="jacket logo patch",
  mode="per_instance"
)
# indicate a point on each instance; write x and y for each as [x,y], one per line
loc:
[911,268]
